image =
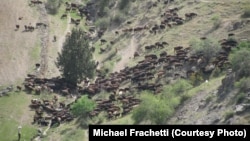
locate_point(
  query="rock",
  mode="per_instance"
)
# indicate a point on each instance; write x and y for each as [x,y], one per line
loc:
[216,120]
[241,108]
[226,86]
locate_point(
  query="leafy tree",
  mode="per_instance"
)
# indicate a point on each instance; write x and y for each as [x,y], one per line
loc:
[83,106]
[156,109]
[240,60]
[75,61]
[152,109]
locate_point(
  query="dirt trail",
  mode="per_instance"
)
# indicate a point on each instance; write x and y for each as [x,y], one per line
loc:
[56,46]
[126,54]
[62,38]
[44,37]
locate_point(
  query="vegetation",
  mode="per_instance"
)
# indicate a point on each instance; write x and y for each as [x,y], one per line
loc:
[216,23]
[118,19]
[123,4]
[246,12]
[75,61]
[228,114]
[14,116]
[152,109]
[208,47]
[102,5]
[52,6]
[196,79]
[83,106]
[156,109]
[239,59]
[102,23]
[240,98]
[243,84]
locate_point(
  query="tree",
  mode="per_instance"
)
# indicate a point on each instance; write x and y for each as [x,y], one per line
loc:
[83,106]
[156,109]
[152,109]
[240,62]
[75,61]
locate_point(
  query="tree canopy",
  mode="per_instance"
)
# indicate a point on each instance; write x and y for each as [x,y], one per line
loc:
[239,59]
[75,60]
[83,106]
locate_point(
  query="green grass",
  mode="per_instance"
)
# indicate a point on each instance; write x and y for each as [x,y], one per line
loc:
[74,135]
[121,121]
[206,87]
[228,114]
[13,113]
[57,19]
[35,52]
[66,132]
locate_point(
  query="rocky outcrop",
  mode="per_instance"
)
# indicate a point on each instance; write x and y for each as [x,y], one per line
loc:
[227,85]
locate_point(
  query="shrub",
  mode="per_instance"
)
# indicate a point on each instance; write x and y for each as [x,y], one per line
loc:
[240,98]
[52,6]
[196,79]
[216,19]
[103,23]
[103,4]
[180,87]
[216,72]
[154,109]
[123,4]
[241,45]
[158,108]
[229,114]
[246,12]
[83,106]
[118,19]
[208,47]
[243,84]
[240,62]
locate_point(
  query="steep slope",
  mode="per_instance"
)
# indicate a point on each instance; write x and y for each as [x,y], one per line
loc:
[215,19]
[126,30]
[19,50]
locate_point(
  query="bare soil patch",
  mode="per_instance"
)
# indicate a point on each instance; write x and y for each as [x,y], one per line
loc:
[18,49]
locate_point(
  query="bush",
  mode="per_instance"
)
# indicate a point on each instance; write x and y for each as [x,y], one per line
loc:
[240,62]
[152,109]
[180,87]
[216,73]
[228,115]
[208,47]
[240,98]
[246,13]
[216,19]
[123,4]
[103,23]
[156,109]
[103,4]
[196,79]
[83,106]
[241,45]
[243,84]
[118,19]
[52,6]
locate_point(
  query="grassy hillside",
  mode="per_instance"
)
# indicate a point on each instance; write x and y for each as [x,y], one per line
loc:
[21,50]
